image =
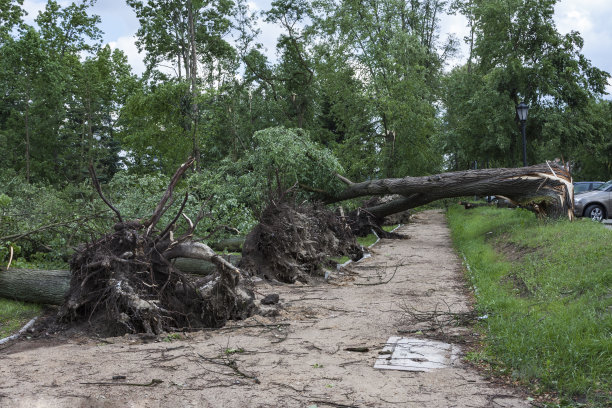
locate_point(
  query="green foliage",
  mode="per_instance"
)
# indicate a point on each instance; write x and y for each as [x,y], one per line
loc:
[517,55]
[281,160]
[285,157]
[42,223]
[547,305]
[60,95]
[154,128]
[395,46]
[136,197]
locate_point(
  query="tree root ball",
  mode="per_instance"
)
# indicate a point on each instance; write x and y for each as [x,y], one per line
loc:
[293,242]
[123,283]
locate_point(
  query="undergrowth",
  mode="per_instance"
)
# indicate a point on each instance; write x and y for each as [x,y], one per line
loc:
[545,289]
[14,314]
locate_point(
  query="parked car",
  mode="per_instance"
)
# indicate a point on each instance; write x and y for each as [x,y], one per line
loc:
[596,204]
[584,186]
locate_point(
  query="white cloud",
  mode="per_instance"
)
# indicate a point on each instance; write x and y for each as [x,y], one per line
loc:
[33,7]
[127,44]
[252,6]
[592,19]
[455,25]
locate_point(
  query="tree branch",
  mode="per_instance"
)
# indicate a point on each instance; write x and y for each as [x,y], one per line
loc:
[94,179]
[159,210]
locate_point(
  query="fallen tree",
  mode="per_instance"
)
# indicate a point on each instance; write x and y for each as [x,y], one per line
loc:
[35,285]
[124,282]
[51,286]
[547,188]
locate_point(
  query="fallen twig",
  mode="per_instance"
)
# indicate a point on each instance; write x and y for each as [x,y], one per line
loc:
[333,404]
[384,282]
[152,383]
[358,349]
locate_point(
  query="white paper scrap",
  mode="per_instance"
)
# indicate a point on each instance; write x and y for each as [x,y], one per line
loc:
[411,354]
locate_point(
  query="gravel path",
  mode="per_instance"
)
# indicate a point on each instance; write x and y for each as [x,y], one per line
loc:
[296,359]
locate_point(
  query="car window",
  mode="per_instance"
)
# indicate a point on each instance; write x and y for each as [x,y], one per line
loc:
[579,188]
[607,186]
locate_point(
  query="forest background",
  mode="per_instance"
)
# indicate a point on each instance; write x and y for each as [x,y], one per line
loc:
[362,88]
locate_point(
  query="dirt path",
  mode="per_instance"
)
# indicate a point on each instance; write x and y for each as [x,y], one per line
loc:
[297,359]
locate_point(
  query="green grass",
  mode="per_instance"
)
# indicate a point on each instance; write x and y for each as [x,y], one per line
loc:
[14,314]
[340,259]
[371,238]
[548,303]
[367,240]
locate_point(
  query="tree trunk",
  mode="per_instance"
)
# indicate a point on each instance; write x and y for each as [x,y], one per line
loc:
[200,267]
[50,286]
[35,285]
[233,244]
[548,187]
[27,134]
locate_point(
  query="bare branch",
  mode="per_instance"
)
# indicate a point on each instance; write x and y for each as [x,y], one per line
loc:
[159,210]
[94,179]
[344,179]
[176,217]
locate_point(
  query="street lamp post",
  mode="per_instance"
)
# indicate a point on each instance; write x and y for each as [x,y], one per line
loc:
[521,112]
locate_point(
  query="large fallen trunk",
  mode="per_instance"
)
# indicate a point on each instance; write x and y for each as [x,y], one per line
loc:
[547,188]
[233,244]
[35,285]
[200,267]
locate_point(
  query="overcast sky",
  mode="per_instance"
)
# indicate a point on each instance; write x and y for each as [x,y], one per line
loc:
[592,18]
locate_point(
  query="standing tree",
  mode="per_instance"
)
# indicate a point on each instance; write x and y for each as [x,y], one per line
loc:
[517,55]
[392,47]
[187,36]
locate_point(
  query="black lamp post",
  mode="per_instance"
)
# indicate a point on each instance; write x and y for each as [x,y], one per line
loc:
[521,112]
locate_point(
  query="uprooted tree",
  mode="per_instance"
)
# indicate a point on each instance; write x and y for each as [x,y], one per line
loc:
[544,188]
[125,281]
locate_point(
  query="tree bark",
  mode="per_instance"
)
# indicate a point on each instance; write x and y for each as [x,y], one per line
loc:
[233,244]
[35,285]
[50,286]
[548,186]
[200,267]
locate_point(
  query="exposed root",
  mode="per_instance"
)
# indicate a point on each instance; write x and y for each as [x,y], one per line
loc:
[125,283]
[293,242]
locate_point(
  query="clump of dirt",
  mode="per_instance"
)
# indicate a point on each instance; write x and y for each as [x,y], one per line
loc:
[293,242]
[124,283]
[513,252]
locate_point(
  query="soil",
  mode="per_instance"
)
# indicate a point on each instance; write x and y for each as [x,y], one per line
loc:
[297,358]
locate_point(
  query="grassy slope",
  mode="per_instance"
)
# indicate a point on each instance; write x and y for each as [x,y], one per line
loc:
[545,287]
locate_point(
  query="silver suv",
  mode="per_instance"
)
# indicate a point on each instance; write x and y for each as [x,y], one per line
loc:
[596,204]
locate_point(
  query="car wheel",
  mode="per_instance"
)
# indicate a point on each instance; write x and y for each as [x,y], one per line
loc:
[595,212]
